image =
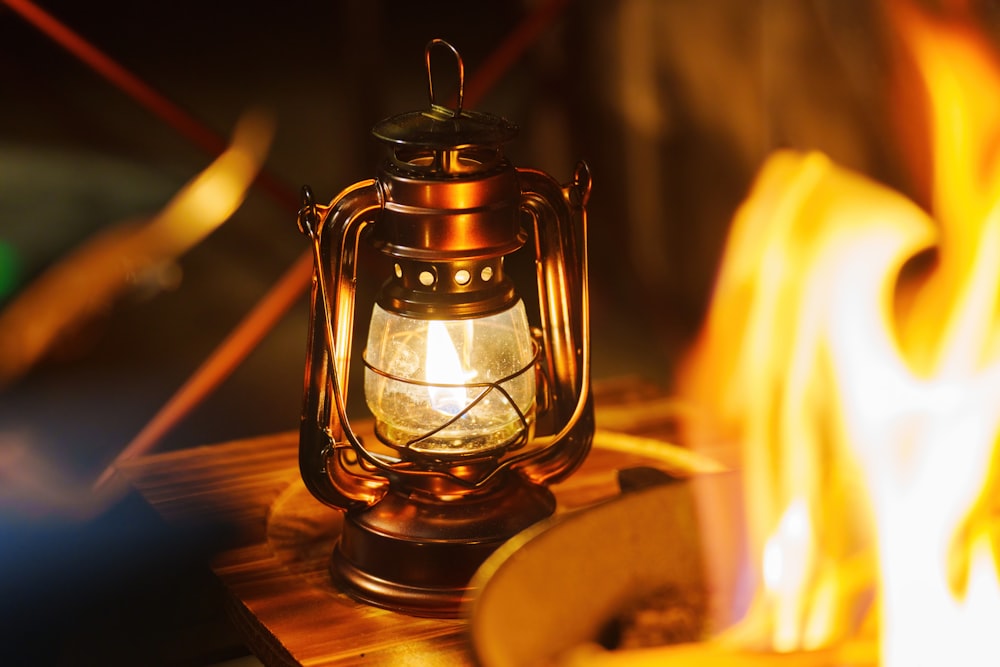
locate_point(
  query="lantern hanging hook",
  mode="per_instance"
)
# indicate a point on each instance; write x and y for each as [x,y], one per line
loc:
[461,72]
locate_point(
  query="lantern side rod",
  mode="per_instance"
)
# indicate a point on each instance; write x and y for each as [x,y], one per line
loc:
[337,361]
[324,455]
[570,363]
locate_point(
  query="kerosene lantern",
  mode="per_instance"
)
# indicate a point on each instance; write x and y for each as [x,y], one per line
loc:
[476,411]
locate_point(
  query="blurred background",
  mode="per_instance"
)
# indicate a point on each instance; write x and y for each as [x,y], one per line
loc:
[674,105]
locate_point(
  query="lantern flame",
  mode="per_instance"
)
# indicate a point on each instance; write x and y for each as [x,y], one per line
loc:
[852,348]
[444,371]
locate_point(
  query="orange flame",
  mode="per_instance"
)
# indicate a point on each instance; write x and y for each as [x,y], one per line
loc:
[864,387]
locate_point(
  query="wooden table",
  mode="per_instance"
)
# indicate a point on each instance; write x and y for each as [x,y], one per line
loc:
[274,564]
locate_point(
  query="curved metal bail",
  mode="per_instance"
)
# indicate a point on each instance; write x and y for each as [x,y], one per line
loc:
[430,79]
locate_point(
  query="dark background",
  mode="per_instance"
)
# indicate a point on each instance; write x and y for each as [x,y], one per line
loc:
[673,104]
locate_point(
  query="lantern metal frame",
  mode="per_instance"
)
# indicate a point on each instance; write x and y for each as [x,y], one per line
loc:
[417,526]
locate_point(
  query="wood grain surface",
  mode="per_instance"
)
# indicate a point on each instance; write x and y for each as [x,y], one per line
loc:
[279,538]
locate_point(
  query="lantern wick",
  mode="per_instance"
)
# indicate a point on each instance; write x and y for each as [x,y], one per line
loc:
[430,79]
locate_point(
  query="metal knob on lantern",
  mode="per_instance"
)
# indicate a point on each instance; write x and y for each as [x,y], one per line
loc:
[476,412]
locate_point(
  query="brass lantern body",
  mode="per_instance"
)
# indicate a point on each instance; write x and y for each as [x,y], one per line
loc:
[445,202]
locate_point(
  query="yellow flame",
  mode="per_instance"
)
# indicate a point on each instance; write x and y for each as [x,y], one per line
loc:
[786,558]
[865,388]
[444,370]
[961,80]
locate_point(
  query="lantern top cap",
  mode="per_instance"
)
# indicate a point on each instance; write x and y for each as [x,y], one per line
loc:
[443,128]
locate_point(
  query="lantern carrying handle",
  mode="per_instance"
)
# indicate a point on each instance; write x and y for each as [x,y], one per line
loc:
[430,79]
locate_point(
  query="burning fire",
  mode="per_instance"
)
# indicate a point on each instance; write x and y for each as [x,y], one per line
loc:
[853,349]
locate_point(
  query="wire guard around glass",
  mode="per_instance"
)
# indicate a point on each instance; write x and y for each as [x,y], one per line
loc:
[423,444]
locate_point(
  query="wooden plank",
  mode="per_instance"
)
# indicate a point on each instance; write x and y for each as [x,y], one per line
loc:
[275,568]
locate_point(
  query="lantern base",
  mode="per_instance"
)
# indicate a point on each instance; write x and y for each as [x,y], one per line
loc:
[416,553]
